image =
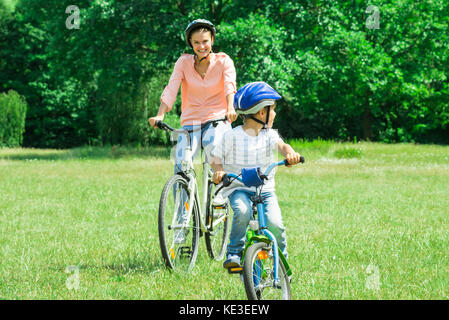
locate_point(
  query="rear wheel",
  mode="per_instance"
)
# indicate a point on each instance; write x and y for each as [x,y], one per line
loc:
[178,234]
[217,222]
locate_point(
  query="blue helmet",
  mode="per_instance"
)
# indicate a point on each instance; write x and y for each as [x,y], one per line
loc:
[254,96]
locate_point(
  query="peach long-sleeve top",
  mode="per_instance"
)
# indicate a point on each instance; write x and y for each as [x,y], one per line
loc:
[202,100]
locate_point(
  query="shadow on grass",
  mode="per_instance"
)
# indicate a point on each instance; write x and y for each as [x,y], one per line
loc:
[119,268]
[114,152]
[143,267]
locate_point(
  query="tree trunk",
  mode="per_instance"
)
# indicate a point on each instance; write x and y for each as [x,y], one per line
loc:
[367,120]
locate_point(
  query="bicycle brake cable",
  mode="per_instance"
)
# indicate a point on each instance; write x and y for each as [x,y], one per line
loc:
[227,184]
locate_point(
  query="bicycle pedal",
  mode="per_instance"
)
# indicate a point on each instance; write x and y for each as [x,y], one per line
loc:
[235,270]
[185,252]
[219,207]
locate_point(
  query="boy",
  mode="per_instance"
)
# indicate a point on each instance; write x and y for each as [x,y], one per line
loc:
[247,146]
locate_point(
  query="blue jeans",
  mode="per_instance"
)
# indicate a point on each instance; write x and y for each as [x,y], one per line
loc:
[242,206]
[206,138]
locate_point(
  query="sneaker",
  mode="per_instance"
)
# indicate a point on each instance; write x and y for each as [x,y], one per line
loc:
[232,261]
[218,200]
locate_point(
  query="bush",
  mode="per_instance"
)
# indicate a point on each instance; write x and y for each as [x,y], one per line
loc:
[12,119]
[348,153]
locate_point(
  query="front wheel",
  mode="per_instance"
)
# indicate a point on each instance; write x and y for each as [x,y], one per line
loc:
[178,233]
[258,274]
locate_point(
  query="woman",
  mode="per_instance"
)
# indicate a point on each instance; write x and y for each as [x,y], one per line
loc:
[207,93]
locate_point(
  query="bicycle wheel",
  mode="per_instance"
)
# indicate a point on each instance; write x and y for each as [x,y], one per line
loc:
[178,238]
[258,275]
[217,222]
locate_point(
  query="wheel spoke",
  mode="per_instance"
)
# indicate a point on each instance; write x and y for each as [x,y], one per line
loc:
[218,226]
[258,275]
[178,238]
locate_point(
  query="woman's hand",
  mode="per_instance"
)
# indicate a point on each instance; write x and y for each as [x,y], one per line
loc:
[163,109]
[153,120]
[231,115]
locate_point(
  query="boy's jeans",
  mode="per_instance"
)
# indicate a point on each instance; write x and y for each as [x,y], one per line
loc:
[242,206]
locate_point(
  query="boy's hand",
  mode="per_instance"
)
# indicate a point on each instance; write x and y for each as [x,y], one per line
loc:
[292,158]
[218,176]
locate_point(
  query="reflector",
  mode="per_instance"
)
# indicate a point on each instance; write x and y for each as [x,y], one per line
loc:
[262,255]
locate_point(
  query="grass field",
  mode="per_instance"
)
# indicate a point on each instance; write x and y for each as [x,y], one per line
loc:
[364,221]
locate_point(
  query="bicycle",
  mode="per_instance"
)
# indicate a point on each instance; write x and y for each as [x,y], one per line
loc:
[181,219]
[266,272]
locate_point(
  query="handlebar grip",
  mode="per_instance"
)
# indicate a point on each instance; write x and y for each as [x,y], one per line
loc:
[301,160]
[163,126]
[158,124]
[226,180]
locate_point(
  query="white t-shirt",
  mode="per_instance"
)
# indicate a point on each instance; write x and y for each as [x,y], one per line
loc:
[239,150]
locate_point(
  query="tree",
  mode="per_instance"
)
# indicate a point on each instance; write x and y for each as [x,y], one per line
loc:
[340,75]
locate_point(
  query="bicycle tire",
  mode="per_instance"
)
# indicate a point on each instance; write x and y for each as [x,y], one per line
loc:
[178,254]
[258,275]
[217,237]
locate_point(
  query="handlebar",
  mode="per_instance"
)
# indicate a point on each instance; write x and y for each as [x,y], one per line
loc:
[163,126]
[166,127]
[228,176]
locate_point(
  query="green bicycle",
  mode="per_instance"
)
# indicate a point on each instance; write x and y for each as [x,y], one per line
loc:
[266,272]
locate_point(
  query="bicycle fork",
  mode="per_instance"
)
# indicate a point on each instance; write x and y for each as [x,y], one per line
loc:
[206,168]
[267,233]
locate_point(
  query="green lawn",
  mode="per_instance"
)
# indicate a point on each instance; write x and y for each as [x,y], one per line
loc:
[364,221]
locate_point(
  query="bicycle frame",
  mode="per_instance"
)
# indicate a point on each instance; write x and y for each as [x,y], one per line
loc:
[260,233]
[188,170]
[194,193]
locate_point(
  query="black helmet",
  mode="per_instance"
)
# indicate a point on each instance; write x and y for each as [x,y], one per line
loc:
[198,23]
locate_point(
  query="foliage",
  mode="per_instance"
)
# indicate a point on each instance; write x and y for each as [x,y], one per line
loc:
[12,119]
[340,76]
[59,113]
